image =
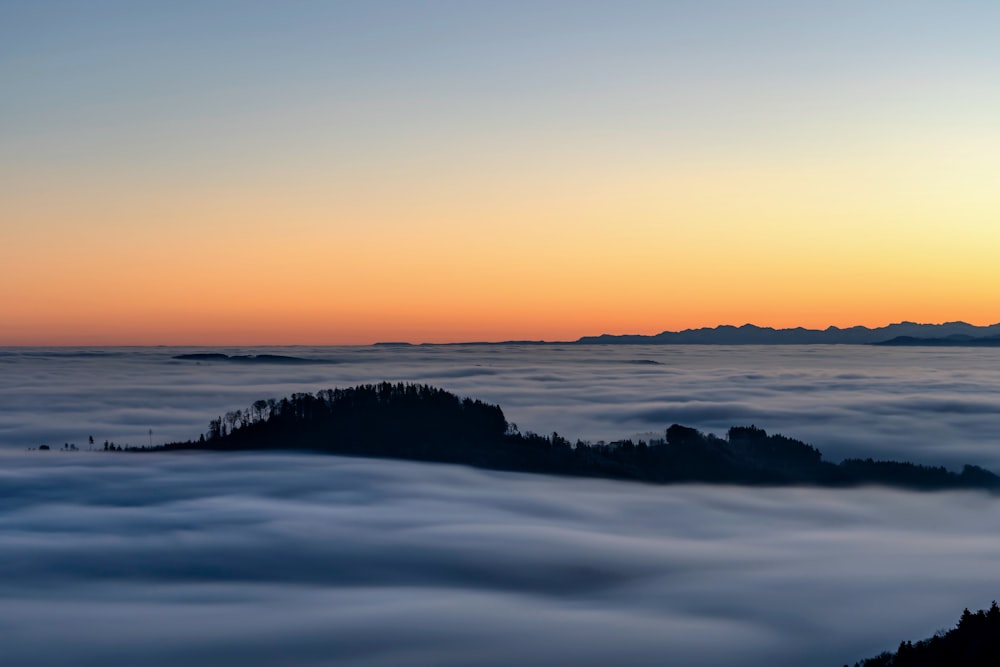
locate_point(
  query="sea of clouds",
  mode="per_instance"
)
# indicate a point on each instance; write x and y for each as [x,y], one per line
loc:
[266,559]
[260,559]
[930,405]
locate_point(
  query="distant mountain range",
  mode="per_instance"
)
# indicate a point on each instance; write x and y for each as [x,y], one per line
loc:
[902,333]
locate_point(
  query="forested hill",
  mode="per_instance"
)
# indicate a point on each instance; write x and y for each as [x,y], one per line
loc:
[423,423]
[974,642]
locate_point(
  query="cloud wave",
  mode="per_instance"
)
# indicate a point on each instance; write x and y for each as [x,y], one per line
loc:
[268,560]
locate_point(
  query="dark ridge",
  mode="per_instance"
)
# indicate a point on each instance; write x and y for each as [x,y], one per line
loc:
[749,334]
[956,340]
[393,344]
[644,362]
[423,423]
[974,642]
[250,358]
[487,343]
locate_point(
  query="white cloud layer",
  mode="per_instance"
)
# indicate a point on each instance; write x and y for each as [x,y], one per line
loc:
[205,559]
[202,559]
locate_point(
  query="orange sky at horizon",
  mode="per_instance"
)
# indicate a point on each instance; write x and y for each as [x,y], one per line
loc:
[681,251]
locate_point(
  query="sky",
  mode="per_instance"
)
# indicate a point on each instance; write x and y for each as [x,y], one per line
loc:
[344,173]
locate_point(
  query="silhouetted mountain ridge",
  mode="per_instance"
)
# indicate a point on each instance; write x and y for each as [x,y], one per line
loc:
[749,334]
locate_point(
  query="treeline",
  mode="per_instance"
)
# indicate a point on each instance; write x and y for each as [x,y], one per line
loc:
[974,642]
[420,422]
[392,420]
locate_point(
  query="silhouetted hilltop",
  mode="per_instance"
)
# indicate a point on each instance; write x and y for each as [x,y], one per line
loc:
[749,334]
[423,423]
[974,642]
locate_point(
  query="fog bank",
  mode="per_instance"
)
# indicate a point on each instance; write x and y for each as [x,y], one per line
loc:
[274,560]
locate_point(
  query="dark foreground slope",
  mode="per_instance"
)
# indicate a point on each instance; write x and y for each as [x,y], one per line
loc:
[974,642]
[422,423]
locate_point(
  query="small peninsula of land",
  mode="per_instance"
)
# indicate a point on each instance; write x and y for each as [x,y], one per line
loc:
[424,423]
[248,358]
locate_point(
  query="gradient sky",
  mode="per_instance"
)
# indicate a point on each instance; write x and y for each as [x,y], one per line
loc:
[322,172]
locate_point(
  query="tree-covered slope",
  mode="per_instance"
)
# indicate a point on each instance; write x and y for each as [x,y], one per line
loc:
[419,422]
[974,642]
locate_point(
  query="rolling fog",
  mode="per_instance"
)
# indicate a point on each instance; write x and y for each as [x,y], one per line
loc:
[301,559]
[266,559]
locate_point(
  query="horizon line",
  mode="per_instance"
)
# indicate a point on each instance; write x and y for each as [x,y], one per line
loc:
[516,341]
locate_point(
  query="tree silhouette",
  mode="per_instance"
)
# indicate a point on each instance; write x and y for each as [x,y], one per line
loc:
[974,642]
[421,422]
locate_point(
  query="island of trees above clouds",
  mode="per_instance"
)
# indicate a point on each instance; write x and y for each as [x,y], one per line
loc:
[423,423]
